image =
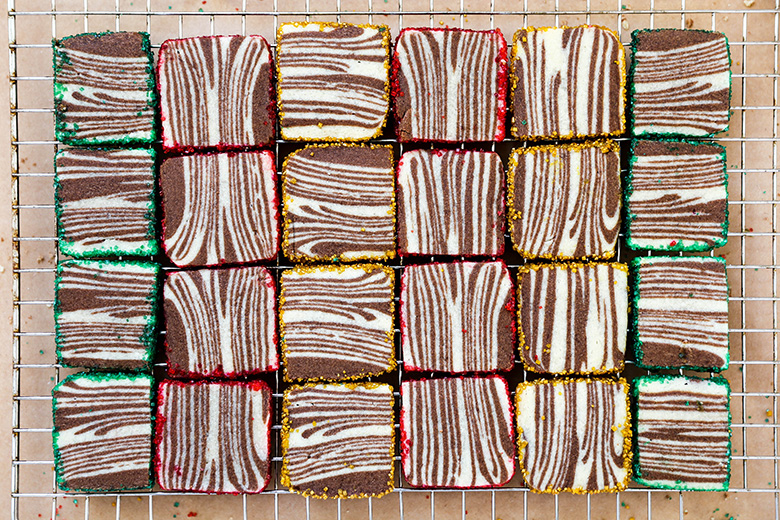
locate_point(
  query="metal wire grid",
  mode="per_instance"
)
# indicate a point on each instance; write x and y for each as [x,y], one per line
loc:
[742,254]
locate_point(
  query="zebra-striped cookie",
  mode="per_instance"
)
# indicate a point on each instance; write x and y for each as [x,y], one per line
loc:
[104,89]
[219,208]
[574,435]
[567,82]
[457,432]
[332,80]
[449,85]
[216,92]
[338,440]
[564,200]
[105,202]
[457,317]
[683,432]
[680,312]
[336,322]
[450,202]
[680,82]
[105,314]
[213,437]
[676,196]
[339,203]
[220,323]
[102,433]
[572,318]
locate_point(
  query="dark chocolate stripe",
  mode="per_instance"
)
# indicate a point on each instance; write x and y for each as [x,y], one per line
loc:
[584,67]
[213,436]
[457,432]
[678,195]
[573,318]
[337,322]
[682,312]
[451,84]
[450,203]
[221,321]
[339,440]
[565,200]
[339,203]
[681,82]
[103,432]
[105,313]
[219,208]
[216,91]
[683,432]
[333,81]
[572,434]
[457,317]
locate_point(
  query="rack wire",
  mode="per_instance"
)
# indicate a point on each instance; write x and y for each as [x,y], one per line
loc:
[751,253]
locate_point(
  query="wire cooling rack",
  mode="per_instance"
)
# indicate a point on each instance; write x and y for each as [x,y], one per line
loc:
[751,253]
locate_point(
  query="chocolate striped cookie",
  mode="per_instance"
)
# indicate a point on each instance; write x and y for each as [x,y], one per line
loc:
[339,203]
[680,82]
[332,80]
[216,92]
[338,440]
[680,313]
[213,437]
[458,317]
[220,208]
[574,435]
[105,202]
[676,196]
[105,314]
[564,200]
[683,432]
[573,317]
[220,323]
[104,90]
[567,82]
[102,433]
[450,202]
[449,85]
[457,432]
[336,322]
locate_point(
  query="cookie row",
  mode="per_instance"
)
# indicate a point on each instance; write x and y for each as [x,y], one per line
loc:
[334,83]
[338,440]
[338,322]
[345,202]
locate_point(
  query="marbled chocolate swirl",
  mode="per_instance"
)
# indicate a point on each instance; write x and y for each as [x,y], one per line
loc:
[213,437]
[103,432]
[457,432]
[449,85]
[457,317]
[567,82]
[681,312]
[574,435]
[564,201]
[338,440]
[332,80]
[573,317]
[683,432]
[215,91]
[681,82]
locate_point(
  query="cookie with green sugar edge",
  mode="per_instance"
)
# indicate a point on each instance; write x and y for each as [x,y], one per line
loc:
[682,427]
[679,313]
[105,314]
[679,83]
[105,202]
[676,196]
[102,435]
[104,89]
